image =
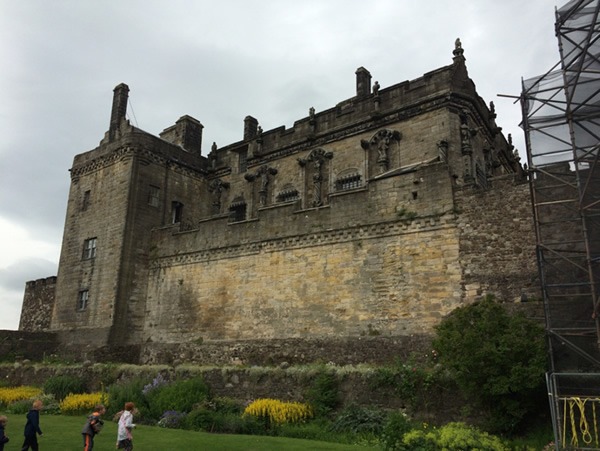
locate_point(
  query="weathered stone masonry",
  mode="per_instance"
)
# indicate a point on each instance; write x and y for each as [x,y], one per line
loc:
[374,218]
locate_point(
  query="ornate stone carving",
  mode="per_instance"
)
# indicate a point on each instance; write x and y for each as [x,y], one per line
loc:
[318,157]
[263,173]
[217,187]
[381,143]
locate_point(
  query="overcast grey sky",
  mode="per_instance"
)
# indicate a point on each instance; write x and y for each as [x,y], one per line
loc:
[218,62]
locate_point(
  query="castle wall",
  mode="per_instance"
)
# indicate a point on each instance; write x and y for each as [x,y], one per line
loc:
[497,241]
[384,279]
[38,302]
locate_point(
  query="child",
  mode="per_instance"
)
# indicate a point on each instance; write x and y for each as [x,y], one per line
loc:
[124,436]
[32,427]
[92,427]
[3,438]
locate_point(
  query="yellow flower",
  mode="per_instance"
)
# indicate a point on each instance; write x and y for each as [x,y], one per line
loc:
[279,412]
[8,395]
[78,403]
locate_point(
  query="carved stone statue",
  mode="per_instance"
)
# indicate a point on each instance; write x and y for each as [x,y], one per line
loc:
[217,187]
[381,142]
[264,173]
[318,158]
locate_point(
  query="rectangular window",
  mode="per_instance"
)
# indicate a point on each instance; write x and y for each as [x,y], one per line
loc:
[348,182]
[89,248]
[237,212]
[85,203]
[82,300]
[244,161]
[154,196]
[288,195]
[177,211]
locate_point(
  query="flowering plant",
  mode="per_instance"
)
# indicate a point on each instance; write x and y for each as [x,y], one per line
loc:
[171,419]
[157,382]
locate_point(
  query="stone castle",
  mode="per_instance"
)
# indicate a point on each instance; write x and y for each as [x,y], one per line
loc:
[365,222]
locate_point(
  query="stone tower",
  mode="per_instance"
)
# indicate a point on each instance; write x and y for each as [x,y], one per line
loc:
[119,192]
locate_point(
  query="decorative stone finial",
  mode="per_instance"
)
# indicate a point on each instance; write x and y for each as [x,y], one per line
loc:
[458,50]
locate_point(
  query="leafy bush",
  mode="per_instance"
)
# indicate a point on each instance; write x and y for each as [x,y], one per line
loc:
[50,406]
[19,407]
[181,396]
[77,404]
[396,426]
[221,404]
[129,391]
[359,420]
[158,381]
[222,422]
[171,419]
[323,395]
[61,386]
[497,360]
[275,412]
[413,382]
[453,437]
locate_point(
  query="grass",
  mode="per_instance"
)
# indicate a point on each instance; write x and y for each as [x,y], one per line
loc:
[63,433]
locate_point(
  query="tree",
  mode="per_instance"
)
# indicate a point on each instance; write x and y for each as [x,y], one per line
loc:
[498,360]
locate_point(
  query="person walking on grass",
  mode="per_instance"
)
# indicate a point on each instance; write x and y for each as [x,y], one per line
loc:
[3,436]
[32,427]
[124,436]
[92,427]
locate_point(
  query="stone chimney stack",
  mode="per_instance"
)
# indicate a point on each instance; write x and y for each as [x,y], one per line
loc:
[363,82]
[250,127]
[119,108]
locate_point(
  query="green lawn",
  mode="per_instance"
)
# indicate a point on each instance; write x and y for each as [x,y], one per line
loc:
[63,433]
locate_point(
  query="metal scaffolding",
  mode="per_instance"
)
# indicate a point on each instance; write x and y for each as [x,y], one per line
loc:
[561,119]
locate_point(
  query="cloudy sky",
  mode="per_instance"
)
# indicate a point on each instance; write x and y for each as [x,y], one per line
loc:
[218,62]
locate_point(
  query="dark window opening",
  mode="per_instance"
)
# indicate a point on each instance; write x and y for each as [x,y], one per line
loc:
[83,299]
[288,195]
[154,196]
[85,203]
[349,181]
[237,212]
[89,248]
[177,211]
[243,161]
[482,180]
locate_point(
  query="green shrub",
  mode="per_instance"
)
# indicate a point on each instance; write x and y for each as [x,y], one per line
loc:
[415,383]
[172,419]
[359,420]
[222,422]
[453,437]
[396,426]
[222,404]
[19,407]
[498,361]
[61,386]
[181,396]
[129,391]
[323,394]
[315,430]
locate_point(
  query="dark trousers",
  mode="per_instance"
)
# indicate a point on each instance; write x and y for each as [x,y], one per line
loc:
[126,444]
[30,441]
[88,442]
